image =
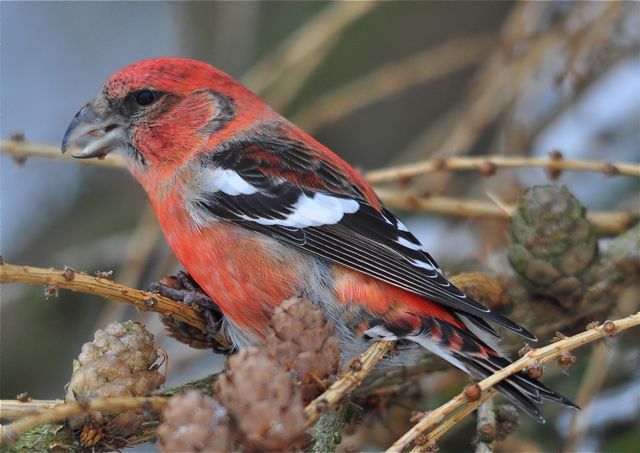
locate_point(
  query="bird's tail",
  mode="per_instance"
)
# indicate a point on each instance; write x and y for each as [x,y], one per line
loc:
[519,388]
[477,353]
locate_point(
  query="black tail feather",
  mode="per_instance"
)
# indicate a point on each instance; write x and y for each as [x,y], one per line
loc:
[545,391]
[518,388]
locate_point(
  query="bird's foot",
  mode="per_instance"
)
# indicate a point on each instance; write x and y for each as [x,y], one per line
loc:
[182,288]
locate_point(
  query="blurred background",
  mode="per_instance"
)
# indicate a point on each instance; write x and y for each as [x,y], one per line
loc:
[379,83]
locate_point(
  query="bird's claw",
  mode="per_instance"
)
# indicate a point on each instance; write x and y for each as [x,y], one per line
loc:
[182,288]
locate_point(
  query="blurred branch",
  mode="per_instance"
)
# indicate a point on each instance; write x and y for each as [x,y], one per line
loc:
[351,379]
[499,83]
[311,37]
[496,89]
[393,78]
[487,165]
[527,44]
[62,412]
[471,398]
[606,222]
[592,46]
[283,93]
[83,283]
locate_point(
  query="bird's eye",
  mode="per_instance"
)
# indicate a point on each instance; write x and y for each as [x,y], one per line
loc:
[145,97]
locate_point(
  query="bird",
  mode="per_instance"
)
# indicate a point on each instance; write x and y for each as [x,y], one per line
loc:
[257,211]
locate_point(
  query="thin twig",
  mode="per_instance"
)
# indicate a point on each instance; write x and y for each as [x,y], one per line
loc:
[488,164]
[594,377]
[61,412]
[83,283]
[394,78]
[606,222]
[496,87]
[535,356]
[351,379]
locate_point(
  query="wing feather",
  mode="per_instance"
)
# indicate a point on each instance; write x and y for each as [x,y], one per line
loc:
[333,221]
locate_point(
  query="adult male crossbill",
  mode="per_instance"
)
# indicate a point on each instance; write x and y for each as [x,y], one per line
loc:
[258,211]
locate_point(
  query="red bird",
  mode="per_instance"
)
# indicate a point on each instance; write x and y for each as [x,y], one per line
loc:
[258,211]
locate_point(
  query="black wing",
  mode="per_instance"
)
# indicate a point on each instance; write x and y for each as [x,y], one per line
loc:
[338,226]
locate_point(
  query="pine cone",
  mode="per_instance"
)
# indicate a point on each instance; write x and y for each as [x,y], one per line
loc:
[302,340]
[552,242]
[262,400]
[194,422]
[118,363]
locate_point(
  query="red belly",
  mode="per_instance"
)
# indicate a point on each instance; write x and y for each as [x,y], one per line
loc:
[245,273]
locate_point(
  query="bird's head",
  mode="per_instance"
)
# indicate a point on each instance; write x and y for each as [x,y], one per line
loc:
[162,111]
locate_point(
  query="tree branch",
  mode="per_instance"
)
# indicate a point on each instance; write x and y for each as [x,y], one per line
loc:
[350,380]
[450,422]
[487,165]
[14,409]
[83,283]
[37,438]
[535,356]
[395,77]
[62,412]
[606,222]
[22,149]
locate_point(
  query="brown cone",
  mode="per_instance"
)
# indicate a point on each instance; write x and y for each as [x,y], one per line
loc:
[302,340]
[262,400]
[194,422]
[117,363]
